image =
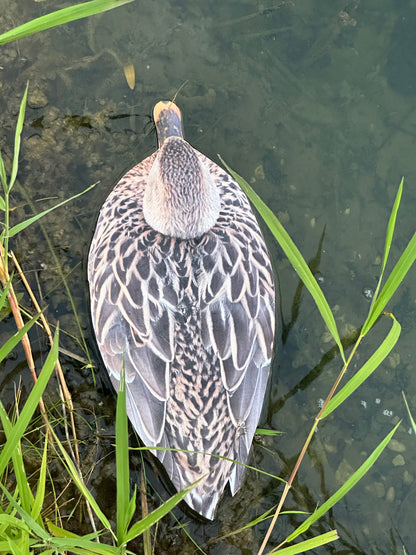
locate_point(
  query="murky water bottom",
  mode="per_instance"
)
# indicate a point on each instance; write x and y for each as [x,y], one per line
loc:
[314,104]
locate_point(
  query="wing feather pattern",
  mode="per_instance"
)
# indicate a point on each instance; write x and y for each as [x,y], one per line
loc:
[135,299]
[132,316]
[238,318]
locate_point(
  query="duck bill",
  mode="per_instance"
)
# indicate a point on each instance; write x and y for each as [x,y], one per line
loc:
[168,121]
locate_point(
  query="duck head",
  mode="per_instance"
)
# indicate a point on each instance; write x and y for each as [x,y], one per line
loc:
[181,198]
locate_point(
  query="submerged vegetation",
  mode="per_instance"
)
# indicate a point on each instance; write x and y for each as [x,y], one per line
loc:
[27,522]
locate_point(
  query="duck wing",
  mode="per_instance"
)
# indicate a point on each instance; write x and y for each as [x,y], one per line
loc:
[131,313]
[237,311]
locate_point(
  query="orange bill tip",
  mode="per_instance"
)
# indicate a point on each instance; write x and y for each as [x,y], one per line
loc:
[165,105]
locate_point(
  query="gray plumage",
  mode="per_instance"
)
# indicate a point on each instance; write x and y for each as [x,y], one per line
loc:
[189,301]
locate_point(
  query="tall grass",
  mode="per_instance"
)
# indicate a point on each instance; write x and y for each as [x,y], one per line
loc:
[382,296]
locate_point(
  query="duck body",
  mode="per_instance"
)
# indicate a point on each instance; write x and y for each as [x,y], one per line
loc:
[185,295]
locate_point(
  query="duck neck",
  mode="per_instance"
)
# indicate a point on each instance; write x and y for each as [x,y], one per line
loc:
[181,198]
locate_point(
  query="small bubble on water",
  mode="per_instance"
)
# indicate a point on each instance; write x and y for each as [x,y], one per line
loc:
[363,403]
[378,401]
[320,403]
[387,412]
[368,293]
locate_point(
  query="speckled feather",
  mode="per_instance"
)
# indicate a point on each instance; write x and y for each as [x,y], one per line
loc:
[195,321]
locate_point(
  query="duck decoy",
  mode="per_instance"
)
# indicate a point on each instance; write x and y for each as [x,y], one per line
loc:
[182,294]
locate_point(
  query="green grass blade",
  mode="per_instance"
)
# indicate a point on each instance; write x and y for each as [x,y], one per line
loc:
[367,369]
[40,490]
[10,520]
[26,518]
[3,178]
[85,542]
[258,520]
[60,17]
[17,139]
[122,461]
[18,547]
[25,494]
[345,488]
[131,509]
[150,520]
[66,542]
[16,338]
[395,278]
[30,406]
[82,546]
[389,237]
[267,432]
[23,225]
[313,543]
[79,482]
[412,422]
[294,256]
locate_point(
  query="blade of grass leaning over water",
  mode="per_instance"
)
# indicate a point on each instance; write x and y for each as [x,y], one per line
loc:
[300,266]
[389,237]
[412,422]
[7,186]
[345,488]
[398,273]
[23,225]
[60,17]
[366,370]
[64,541]
[395,278]
[139,527]
[294,256]
[3,179]
[307,545]
[17,139]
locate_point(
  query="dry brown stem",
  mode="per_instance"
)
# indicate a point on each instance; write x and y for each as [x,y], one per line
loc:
[14,305]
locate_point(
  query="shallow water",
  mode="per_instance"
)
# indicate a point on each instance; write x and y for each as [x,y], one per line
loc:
[314,103]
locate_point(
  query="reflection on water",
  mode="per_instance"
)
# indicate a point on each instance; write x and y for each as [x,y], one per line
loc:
[314,103]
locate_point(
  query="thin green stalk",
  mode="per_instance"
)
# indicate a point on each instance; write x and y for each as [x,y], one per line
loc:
[122,463]
[7,187]
[345,488]
[299,460]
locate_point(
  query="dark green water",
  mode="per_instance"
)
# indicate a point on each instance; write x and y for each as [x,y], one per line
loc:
[314,102]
